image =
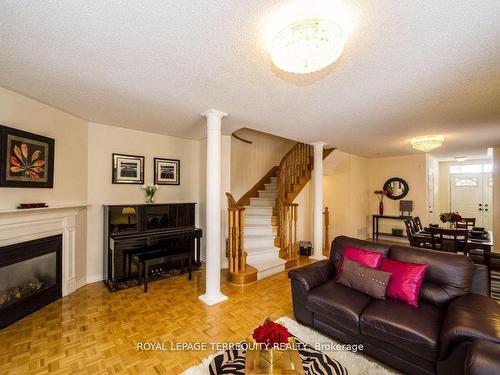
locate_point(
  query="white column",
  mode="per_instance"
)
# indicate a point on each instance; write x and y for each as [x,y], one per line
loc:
[496,198]
[213,207]
[318,201]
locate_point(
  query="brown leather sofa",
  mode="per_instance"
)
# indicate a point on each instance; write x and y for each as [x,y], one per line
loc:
[454,330]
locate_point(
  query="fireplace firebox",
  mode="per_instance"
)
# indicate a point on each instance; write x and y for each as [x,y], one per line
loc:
[30,277]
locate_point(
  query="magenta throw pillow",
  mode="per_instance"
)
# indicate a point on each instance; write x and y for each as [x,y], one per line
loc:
[366,258]
[405,281]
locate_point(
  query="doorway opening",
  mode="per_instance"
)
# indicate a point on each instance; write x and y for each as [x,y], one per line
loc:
[471,192]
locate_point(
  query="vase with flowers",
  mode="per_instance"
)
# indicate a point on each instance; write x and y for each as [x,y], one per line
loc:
[450,217]
[380,195]
[150,191]
[271,338]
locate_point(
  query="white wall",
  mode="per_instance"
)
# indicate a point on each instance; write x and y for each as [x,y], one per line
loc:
[83,172]
[251,162]
[202,178]
[345,193]
[104,140]
[70,134]
[225,186]
[411,168]
[345,189]
[336,192]
[70,163]
[305,213]
[433,165]
[359,197]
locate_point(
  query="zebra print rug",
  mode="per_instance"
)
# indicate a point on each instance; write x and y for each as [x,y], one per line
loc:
[495,285]
[355,363]
[313,361]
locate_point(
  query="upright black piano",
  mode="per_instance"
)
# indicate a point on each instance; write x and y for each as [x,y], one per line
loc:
[133,229]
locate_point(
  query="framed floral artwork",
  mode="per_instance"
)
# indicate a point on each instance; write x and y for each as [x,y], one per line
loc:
[128,169]
[167,171]
[26,160]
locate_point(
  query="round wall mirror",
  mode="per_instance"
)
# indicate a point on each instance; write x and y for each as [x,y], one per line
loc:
[397,188]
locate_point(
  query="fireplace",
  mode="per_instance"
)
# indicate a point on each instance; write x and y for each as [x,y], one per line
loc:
[30,277]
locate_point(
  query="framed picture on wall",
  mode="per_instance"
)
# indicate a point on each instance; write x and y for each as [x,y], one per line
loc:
[128,169]
[167,171]
[26,160]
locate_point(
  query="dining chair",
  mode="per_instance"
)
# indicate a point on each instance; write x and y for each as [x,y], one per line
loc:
[417,224]
[478,256]
[449,240]
[466,223]
[409,233]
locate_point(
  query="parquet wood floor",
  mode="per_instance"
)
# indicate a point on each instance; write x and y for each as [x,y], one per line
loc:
[93,331]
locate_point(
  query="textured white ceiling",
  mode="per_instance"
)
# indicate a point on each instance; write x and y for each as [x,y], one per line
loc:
[409,68]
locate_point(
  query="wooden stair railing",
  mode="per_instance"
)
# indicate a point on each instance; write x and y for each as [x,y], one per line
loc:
[236,253]
[294,172]
[239,272]
[287,229]
[254,191]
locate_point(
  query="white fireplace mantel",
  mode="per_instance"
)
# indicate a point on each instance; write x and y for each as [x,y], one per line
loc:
[29,224]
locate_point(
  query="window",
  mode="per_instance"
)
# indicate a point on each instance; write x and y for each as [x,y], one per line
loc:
[462,182]
[471,168]
[466,168]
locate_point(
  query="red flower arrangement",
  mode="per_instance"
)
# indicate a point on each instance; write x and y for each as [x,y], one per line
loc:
[381,194]
[270,334]
[450,217]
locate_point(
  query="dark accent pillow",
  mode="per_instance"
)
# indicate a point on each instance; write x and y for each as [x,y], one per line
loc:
[366,280]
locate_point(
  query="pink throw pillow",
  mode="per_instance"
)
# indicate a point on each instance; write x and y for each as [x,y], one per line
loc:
[371,259]
[405,281]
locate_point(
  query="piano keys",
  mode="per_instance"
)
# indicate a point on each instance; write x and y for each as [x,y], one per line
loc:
[133,229]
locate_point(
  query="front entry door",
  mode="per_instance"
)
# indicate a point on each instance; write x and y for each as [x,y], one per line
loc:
[471,197]
[487,201]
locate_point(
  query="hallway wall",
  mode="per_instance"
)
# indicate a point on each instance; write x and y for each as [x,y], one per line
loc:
[251,162]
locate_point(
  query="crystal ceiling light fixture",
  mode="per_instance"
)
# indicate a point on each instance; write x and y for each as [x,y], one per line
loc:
[427,143]
[307,36]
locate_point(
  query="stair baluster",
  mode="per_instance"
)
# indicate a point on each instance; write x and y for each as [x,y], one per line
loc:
[236,252]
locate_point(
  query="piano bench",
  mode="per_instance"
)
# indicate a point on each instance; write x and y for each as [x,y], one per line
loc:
[146,260]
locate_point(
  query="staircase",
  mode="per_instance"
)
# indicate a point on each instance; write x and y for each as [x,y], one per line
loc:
[259,232]
[263,223]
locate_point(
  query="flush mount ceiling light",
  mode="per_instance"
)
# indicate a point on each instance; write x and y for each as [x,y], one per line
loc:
[427,143]
[306,37]
[460,158]
[307,46]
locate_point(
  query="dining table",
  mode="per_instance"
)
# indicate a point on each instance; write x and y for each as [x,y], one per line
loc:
[484,243]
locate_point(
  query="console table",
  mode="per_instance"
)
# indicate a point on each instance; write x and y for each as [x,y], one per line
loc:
[375,222]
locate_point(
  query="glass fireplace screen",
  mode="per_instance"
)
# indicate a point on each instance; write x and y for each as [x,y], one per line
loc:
[26,278]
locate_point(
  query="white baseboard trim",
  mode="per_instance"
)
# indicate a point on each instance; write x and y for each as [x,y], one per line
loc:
[81,282]
[94,278]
